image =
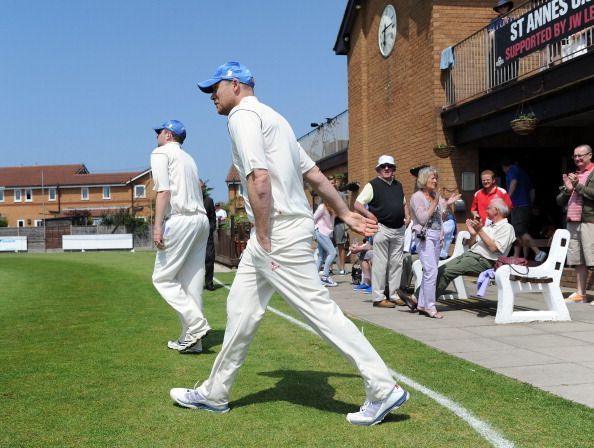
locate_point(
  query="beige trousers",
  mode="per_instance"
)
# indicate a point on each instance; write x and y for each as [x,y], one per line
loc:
[290,270]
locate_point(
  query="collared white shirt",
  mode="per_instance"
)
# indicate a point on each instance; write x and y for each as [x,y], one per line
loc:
[502,233]
[262,139]
[174,170]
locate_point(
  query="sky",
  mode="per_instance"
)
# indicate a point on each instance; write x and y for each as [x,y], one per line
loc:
[86,81]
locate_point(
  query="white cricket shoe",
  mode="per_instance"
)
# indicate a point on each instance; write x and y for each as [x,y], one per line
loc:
[193,399]
[182,347]
[373,412]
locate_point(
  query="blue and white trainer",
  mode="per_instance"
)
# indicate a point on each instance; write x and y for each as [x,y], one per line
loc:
[373,412]
[193,399]
[361,287]
[327,281]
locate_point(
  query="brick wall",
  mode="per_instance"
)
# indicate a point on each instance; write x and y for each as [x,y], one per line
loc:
[395,102]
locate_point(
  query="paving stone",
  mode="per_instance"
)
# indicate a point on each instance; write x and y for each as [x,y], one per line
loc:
[507,358]
[549,374]
[577,354]
[539,341]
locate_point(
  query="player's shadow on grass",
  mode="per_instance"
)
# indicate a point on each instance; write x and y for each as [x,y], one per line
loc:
[306,388]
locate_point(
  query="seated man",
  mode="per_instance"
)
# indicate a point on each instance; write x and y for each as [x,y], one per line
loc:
[487,243]
[364,252]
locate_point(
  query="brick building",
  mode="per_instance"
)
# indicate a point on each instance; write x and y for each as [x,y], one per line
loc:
[402,103]
[31,194]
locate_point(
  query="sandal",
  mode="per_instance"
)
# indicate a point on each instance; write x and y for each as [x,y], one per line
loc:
[575,297]
[434,314]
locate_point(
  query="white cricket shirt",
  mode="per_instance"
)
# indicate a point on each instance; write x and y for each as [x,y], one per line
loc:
[174,170]
[262,139]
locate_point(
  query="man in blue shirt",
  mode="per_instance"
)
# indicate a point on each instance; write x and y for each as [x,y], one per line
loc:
[521,192]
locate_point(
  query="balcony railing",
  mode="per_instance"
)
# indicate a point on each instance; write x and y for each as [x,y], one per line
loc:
[329,137]
[477,69]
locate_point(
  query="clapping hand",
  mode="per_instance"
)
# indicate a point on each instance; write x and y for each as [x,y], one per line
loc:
[474,226]
[453,198]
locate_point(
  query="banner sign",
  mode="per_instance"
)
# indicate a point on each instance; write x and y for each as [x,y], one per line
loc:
[541,26]
[13,243]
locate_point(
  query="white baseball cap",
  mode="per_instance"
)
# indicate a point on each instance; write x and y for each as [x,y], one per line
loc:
[385,159]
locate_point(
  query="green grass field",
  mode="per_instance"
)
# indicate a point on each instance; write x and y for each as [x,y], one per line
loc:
[83,363]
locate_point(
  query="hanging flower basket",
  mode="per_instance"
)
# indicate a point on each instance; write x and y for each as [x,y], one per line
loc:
[443,150]
[524,124]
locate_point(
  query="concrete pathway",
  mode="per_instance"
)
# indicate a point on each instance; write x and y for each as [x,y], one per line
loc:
[554,356]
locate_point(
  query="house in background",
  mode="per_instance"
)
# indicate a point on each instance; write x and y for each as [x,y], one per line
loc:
[235,192]
[31,194]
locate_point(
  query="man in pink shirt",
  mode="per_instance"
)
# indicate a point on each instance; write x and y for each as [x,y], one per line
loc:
[485,195]
[577,192]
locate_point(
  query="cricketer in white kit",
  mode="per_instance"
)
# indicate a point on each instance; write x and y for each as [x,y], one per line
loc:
[180,235]
[278,257]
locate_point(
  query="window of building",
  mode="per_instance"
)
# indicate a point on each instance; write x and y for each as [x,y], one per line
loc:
[28,195]
[240,190]
[18,196]
[106,192]
[38,223]
[1,195]
[20,223]
[139,191]
[84,193]
[51,194]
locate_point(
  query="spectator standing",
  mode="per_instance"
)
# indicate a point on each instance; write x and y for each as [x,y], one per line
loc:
[521,192]
[272,167]
[180,234]
[386,204]
[221,214]
[577,193]
[341,237]
[210,247]
[324,225]
[485,195]
[428,210]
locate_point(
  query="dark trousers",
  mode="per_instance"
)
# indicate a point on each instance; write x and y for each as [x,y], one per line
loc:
[209,260]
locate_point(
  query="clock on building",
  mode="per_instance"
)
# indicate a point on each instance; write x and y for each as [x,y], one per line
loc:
[387,31]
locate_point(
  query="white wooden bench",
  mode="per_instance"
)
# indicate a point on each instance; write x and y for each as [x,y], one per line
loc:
[459,248]
[543,279]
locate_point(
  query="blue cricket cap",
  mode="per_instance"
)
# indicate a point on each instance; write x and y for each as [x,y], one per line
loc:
[175,126]
[228,71]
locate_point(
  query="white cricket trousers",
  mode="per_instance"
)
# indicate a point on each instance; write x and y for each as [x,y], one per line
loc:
[179,270]
[386,270]
[289,269]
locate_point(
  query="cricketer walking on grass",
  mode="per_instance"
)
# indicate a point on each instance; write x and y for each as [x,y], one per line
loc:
[180,234]
[272,167]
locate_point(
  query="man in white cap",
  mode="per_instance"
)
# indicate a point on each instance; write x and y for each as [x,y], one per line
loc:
[180,234]
[272,167]
[386,205]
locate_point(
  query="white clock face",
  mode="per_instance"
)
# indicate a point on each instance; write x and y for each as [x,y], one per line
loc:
[387,31]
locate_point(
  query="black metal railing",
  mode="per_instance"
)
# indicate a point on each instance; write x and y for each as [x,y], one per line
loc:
[477,67]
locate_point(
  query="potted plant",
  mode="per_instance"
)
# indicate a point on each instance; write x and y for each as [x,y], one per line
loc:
[525,123]
[443,150]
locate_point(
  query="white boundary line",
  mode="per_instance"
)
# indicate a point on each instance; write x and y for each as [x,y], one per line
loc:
[483,428]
